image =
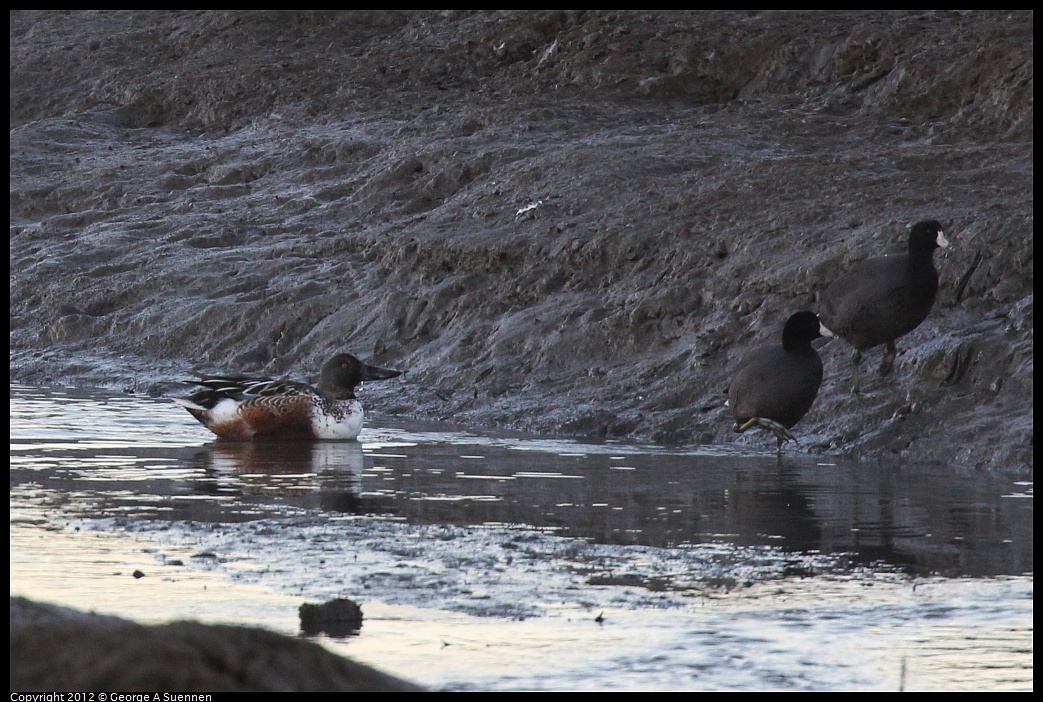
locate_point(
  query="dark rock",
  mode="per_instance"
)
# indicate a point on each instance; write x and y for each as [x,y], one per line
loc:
[338,617]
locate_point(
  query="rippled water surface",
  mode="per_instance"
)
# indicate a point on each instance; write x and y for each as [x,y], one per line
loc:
[491,562]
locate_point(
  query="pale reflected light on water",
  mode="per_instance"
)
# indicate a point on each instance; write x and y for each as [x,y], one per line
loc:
[482,561]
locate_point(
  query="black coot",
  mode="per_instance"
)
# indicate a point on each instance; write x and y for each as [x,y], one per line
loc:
[776,384]
[884,298]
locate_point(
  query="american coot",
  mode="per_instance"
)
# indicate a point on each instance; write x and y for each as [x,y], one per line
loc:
[884,298]
[776,384]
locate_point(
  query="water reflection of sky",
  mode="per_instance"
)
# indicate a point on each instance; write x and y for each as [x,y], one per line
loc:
[147,458]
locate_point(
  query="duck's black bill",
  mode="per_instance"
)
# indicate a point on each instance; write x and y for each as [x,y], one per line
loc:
[367,372]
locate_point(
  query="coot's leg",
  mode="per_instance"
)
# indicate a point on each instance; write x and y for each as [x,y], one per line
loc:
[856,358]
[782,434]
[888,361]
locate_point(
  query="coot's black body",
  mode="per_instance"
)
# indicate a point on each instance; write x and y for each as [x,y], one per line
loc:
[885,298]
[776,384]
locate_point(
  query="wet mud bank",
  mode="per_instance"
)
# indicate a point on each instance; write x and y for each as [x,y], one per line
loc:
[47,653]
[566,222]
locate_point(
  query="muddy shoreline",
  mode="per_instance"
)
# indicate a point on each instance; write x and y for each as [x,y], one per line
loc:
[564,222]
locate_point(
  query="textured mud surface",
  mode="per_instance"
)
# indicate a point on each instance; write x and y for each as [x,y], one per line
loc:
[47,654]
[572,222]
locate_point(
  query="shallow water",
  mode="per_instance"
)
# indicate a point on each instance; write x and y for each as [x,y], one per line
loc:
[493,562]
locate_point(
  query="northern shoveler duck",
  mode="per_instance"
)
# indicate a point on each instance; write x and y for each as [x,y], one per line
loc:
[244,408]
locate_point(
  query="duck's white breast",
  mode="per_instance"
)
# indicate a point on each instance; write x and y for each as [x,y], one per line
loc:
[341,421]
